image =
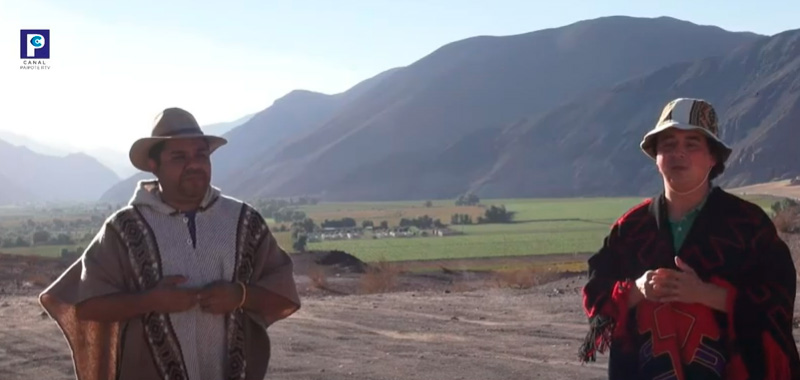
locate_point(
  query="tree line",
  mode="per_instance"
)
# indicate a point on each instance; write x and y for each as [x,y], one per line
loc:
[493,214]
[56,231]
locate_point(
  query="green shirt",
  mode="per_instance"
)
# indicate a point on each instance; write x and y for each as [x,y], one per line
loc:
[680,228]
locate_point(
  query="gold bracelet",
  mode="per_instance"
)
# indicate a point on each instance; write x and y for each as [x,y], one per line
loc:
[244,294]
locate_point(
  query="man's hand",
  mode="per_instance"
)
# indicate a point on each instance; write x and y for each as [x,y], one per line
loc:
[687,287]
[646,289]
[167,297]
[220,297]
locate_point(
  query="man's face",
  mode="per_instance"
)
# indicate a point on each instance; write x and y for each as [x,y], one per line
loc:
[185,169]
[683,158]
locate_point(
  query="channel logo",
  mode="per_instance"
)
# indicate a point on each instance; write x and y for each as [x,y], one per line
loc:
[34,43]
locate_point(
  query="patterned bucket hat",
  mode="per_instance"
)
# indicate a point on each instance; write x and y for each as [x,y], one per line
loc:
[687,114]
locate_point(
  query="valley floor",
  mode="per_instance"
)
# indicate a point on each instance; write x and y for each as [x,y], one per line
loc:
[486,334]
[490,333]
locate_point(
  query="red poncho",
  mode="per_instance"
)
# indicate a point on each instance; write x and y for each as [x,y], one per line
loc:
[732,243]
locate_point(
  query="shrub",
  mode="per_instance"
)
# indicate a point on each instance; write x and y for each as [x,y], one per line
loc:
[380,277]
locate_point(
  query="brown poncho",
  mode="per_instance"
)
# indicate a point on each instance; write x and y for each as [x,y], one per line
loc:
[130,255]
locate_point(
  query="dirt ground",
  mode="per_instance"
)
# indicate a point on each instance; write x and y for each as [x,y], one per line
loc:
[433,326]
[493,334]
[785,188]
[445,330]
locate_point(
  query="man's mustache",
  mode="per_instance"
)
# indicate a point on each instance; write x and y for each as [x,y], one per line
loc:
[194,172]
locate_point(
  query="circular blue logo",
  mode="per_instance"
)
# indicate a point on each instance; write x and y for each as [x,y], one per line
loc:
[37,41]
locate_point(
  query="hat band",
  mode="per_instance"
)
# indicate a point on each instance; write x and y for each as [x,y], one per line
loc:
[184,131]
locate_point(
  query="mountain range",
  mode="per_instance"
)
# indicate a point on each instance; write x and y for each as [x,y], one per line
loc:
[28,176]
[594,147]
[32,171]
[555,112]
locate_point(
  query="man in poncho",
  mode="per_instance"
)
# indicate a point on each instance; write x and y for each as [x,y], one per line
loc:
[694,283]
[180,284]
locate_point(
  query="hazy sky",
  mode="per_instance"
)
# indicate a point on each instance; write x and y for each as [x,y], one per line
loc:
[115,65]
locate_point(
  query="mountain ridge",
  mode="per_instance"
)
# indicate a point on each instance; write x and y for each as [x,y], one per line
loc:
[463,88]
[554,112]
[33,177]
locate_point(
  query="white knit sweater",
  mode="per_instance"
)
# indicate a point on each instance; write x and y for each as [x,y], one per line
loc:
[202,336]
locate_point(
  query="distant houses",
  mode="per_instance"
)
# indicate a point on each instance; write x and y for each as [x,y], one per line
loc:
[350,233]
[398,232]
[333,233]
[441,232]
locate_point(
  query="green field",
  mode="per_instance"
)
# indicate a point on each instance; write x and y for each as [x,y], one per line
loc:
[541,226]
[41,250]
[468,246]
[596,209]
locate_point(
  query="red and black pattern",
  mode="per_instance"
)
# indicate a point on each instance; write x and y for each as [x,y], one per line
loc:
[145,260]
[732,243]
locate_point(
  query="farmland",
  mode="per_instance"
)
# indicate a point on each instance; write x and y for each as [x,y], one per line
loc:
[46,230]
[530,238]
[42,250]
[540,226]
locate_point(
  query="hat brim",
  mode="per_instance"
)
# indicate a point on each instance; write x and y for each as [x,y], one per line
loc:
[140,150]
[648,142]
